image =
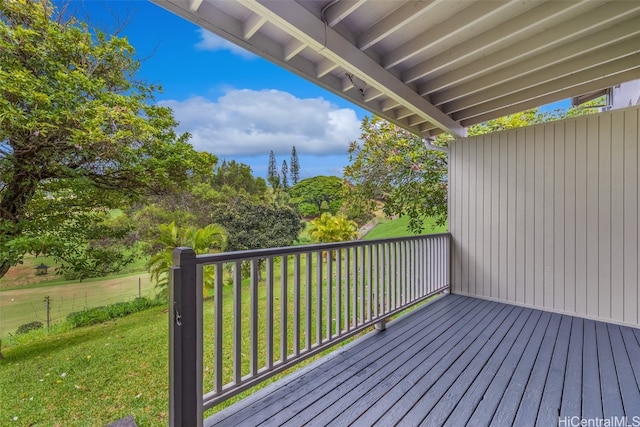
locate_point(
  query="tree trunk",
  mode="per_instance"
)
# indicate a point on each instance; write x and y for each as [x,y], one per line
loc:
[13,206]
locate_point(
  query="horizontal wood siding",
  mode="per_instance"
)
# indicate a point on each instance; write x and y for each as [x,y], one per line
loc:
[547,216]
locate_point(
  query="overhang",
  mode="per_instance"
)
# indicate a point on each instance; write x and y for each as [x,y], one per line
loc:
[436,66]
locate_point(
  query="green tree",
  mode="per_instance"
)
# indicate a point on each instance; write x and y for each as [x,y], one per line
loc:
[310,194]
[329,228]
[256,225]
[212,238]
[285,172]
[295,166]
[272,171]
[78,134]
[397,168]
[356,207]
[238,177]
[108,250]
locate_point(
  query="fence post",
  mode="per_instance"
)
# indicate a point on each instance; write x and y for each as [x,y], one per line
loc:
[47,306]
[185,341]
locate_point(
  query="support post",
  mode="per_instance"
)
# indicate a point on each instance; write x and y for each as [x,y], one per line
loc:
[47,305]
[185,341]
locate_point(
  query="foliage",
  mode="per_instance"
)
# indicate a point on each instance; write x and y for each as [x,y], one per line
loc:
[27,327]
[238,178]
[357,206]
[394,166]
[255,225]
[295,166]
[92,316]
[309,195]
[106,252]
[272,171]
[328,228]
[188,207]
[78,134]
[285,173]
[208,239]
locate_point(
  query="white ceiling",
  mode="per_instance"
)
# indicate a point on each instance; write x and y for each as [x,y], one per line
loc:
[436,66]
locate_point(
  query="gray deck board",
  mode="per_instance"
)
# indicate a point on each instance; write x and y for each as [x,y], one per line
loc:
[495,376]
[468,387]
[630,392]
[460,361]
[591,394]
[532,396]
[571,403]
[549,409]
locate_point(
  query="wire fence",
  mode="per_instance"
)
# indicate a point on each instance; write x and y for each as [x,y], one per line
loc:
[52,304]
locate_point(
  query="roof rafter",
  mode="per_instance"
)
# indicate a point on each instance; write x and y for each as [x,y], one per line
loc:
[568,35]
[596,84]
[465,17]
[553,71]
[303,25]
[338,11]
[631,62]
[532,19]
[393,22]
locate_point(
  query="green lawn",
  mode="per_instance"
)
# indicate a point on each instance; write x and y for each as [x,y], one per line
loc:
[398,228]
[89,376]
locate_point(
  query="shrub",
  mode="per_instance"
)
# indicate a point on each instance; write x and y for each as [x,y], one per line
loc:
[23,329]
[91,316]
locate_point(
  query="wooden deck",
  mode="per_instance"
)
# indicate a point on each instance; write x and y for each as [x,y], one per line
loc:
[462,361]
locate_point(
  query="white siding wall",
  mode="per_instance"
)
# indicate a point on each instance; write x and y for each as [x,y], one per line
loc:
[548,216]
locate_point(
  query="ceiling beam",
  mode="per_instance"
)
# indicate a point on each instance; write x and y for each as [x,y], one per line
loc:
[324,67]
[252,25]
[338,11]
[402,113]
[292,48]
[578,29]
[537,19]
[393,22]
[371,94]
[389,104]
[194,5]
[300,23]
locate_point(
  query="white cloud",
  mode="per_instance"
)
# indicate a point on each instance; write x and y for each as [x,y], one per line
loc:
[251,123]
[212,42]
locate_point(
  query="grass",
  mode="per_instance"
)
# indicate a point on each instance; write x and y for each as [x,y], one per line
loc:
[398,228]
[26,304]
[89,376]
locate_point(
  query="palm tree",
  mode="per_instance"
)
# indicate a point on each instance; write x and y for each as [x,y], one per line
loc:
[329,228]
[212,238]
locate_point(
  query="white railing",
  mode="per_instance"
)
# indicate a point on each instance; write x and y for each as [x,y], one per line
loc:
[273,308]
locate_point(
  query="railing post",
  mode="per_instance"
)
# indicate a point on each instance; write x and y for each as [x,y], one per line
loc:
[185,341]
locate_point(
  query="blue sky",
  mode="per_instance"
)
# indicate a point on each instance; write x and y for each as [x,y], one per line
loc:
[236,105]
